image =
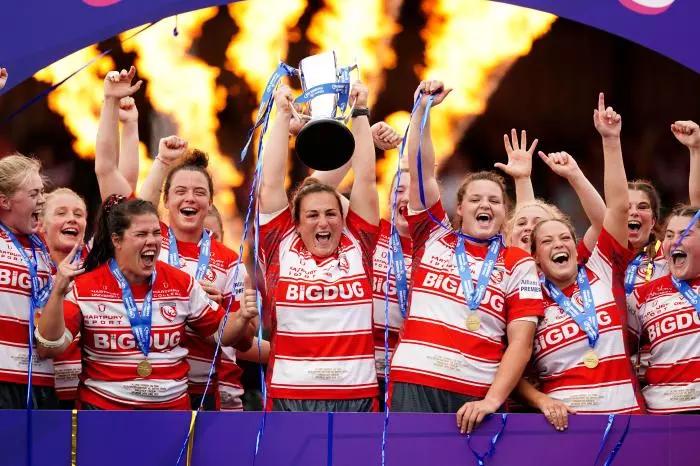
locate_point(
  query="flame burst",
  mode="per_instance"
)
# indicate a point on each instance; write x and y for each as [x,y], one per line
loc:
[358,30]
[184,88]
[470,45]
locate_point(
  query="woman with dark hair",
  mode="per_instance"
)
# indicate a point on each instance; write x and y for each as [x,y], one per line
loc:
[26,283]
[469,294]
[131,310]
[318,269]
[580,355]
[188,192]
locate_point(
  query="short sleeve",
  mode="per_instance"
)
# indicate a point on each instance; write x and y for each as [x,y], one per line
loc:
[71,312]
[204,314]
[609,258]
[522,289]
[364,232]
[233,288]
[421,224]
[274,227]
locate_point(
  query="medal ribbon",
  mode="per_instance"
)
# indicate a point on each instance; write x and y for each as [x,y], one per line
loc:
[342,89]
[204,253]
[398,268]
[481,459]
[586,317]
[631,273]
[685,232]
[471,296]
[688,293]
[140,321]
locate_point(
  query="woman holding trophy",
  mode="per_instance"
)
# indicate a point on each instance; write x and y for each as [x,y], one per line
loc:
[318,264]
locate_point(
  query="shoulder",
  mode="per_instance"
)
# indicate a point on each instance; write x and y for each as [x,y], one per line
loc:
[168,276]
[227,255]
[514,256]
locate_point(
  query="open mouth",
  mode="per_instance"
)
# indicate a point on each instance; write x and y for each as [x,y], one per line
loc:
[483,219]
[634,225]
[403,209]
[148,258]
[35,215]
[323,238]
[188,212]
[70,231]
[561,257]
[679,257]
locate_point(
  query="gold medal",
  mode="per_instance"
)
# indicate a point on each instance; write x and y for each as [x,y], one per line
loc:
[144,368]
[590,359]
[473,322]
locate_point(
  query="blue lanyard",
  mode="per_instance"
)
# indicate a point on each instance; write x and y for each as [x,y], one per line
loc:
[39,294]
[688,293]
[481,458]
[631,273]
[204,253]
[398,268]
[140,321]
[586,318]
[471,296]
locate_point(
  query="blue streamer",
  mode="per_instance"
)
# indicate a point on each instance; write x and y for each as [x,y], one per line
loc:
[613,453]
[321,89]
[604,440]
[46,92]
[329,455]
[685,232]
[481,459]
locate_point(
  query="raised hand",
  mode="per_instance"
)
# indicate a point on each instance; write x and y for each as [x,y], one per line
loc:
[128,113]
[249,303]
[213,292]
[384,136]
[519,156]
[170,149]
[435,88]
[284,99]
[561,163]
[3,77]
[68,269]
[359,94]
[606,120]
[688,133]
[118,83]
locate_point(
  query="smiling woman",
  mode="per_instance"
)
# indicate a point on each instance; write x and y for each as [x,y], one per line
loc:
[26,260]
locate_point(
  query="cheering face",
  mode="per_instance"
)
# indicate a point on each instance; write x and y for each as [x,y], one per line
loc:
[555,252]
[25,205]
[137,250]
[63,221]
[525,220]
[320,223]
[684,258]
[188,201]
[640,220]
[482,209]
[401,202]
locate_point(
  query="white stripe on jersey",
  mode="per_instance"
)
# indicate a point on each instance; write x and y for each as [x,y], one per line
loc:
[617,398]
[335,374]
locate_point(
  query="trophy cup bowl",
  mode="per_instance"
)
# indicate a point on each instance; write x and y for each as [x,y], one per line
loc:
[324,142]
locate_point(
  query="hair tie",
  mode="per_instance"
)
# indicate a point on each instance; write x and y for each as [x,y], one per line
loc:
[113,200]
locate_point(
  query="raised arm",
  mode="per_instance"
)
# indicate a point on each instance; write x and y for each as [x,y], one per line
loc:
[116,86]
[565,166]
[688,133]
[170,150]
[519,165]
[609,123]
[385,138]
[272,194]
[432,193]
[363,196]
[129,151]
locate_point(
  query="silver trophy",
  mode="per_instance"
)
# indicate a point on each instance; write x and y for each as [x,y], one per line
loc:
[324,142]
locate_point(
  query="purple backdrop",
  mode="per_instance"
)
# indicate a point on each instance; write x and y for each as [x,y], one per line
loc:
[296,439]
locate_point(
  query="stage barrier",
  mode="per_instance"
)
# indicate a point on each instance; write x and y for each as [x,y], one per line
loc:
[111,438]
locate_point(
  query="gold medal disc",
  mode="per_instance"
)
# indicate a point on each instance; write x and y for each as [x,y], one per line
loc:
[473,322]
[144,368]
[590,360]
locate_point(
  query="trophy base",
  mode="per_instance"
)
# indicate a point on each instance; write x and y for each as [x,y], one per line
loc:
[325,144]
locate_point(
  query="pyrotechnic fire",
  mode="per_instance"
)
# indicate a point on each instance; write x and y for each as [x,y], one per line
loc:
[358,30]
[184,88]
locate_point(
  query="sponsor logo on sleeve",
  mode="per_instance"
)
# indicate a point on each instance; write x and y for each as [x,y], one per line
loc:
[529,289]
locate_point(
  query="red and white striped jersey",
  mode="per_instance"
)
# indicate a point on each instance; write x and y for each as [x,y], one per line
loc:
[436,349]
[230,386]
[380,287]
[15,291]
[321,345]
[221,273]
[560,344]
[94,307]
[68,365]
[672,327]
[659,268]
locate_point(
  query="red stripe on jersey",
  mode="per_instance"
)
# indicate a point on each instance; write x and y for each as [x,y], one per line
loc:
[612,371]
[441,335]
[680,372]
[332,346]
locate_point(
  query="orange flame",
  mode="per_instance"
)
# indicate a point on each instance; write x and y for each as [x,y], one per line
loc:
[358,30]
[470,45]
[183,88]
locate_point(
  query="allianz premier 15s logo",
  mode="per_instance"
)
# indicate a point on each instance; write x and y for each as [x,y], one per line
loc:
[648,7]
